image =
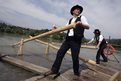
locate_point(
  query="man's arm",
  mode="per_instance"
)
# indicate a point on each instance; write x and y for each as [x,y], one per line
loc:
[83,25]
[83,22]
[98,44]
[89,42]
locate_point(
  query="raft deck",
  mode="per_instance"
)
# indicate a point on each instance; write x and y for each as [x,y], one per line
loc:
[106,71]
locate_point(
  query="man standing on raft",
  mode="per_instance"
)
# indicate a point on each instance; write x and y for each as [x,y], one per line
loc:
[101,44]
[73,41]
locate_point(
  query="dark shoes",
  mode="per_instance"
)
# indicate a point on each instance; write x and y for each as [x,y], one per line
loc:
[76,77]
[105,60]
[48,73]
[97,62]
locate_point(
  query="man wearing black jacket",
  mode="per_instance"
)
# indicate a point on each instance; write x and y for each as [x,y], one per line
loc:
[73,42]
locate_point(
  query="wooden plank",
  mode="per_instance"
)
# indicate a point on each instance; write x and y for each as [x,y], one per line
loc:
[38,78]
[31,67]
[116,77]
[25,65]
[112,65]
[108,69]
[102,69]
[90,75]
[41,78]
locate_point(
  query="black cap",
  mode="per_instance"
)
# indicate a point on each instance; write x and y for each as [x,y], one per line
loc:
[74,7]
[96,31]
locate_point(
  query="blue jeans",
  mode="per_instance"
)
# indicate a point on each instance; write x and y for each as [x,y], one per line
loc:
[75,49]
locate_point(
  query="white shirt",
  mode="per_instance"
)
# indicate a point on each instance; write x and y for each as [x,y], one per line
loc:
[100,38]
[83,20]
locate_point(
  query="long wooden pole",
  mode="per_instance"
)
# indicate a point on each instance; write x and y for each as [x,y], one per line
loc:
[85,46]
[49,33]
[82,46]
[68,52]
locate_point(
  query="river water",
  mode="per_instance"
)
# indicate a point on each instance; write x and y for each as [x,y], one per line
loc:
[34,52]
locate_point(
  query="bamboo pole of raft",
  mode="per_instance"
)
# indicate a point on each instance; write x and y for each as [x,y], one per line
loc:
[49,33]
[82,46]
[47,49]
[85,46]
[68,52]
[20,52]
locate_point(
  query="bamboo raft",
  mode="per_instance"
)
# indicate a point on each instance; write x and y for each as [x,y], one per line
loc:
[90,71]
[106,71]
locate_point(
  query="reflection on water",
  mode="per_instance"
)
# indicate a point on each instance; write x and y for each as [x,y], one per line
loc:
[34,52]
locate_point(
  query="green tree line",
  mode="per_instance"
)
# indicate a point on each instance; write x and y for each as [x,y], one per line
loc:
[20,30]
[27,31]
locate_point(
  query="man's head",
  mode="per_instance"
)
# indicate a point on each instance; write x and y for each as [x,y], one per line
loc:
[97,32]
[77,10]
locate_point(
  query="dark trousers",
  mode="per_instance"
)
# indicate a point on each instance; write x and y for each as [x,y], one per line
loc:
[100,52]
[75,49]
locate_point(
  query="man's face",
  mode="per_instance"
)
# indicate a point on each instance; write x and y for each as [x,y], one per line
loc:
[76,11]
[96,34]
